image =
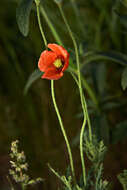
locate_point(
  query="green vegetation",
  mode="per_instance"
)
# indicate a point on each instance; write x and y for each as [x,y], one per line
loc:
[100,29]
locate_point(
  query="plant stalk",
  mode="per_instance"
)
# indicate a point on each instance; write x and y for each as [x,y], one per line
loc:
[63,130]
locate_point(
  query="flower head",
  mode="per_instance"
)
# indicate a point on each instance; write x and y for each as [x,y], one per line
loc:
[53,63]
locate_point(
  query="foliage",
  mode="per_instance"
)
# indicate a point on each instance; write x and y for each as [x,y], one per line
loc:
[23,13]
[100,30]
[19,167]
[95,150]
[34,76]
[123,179]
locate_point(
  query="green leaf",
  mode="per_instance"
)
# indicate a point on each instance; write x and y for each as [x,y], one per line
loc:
[113,56]
[22,15]
[123,179]
[108,56]
[33,77]
[124,79]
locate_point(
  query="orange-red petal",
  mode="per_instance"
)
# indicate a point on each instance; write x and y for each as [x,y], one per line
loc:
[46,60]
[66,64]
[52,74]
[59,50]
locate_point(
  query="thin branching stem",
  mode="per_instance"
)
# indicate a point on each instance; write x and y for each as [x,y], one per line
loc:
[59,41]
[52,28]
[80,90]
[62,129]
[85,104]
[39,22]
[53,94]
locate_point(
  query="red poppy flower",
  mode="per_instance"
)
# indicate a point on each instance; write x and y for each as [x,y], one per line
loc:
[53,63]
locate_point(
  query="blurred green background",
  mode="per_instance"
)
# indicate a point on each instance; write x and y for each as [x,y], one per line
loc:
[32,118]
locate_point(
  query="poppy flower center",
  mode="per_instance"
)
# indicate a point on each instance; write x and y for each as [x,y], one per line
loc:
[58,63]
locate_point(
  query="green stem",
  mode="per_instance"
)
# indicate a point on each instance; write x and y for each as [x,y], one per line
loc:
[23,186]
[52,28]
[52,85]
[80,90]
[63,130]
[39,22]
[86,86]
[87,115]
[59,41]
[76,52]
[88,120]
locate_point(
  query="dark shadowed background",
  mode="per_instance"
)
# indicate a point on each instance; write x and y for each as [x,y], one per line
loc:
[32,119]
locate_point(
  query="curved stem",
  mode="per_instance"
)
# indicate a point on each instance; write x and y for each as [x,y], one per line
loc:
[80,90]
[39,22]
[53,30]
[53,94]
[81,137]
[86,86]
[59,41]
[87,115]
[63,130]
